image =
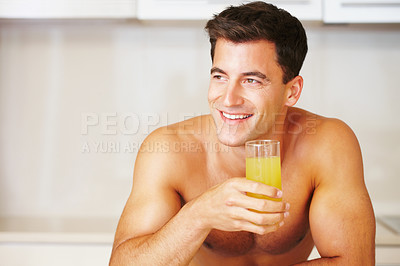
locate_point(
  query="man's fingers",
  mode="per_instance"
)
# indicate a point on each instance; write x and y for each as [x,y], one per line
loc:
[257,218]
[261,205]
[245,185]
[259,229]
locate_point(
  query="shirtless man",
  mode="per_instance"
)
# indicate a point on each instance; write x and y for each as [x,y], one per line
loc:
[188,204]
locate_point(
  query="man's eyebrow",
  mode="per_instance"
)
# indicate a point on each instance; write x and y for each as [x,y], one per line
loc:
[256,73]
[217,69]
[251,73]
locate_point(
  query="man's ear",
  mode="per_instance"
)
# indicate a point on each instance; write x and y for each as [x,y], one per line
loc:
[293,90]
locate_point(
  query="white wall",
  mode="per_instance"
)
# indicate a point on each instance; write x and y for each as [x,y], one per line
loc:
[352,74]
[57,78]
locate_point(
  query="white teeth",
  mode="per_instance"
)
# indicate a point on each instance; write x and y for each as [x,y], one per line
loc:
[235,116]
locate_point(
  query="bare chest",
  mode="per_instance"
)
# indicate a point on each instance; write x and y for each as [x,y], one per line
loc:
[279,242]
[295,186]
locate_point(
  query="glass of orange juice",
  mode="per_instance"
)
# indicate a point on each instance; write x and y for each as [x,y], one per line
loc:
[263,164]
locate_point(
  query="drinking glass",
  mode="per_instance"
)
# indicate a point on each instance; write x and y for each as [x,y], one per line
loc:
[263,164]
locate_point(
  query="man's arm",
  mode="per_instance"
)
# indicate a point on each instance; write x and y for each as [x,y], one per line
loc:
[152,230]
[155,230]
[341,215]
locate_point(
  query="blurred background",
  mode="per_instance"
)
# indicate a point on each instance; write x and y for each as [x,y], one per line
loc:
[82,84]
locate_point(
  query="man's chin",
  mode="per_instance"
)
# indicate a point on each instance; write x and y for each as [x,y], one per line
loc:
[231,140]
[231,135]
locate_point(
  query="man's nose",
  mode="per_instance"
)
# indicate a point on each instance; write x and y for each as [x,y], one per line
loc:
[233,95]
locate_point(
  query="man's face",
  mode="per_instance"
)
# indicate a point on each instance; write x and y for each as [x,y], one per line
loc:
[246,93]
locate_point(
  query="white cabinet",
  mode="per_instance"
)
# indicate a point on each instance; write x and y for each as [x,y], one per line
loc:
[204,9]
[67,9]
[361,11]
[328,11]
[303,10]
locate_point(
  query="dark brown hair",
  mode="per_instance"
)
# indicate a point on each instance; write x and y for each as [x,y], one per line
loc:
[261,21]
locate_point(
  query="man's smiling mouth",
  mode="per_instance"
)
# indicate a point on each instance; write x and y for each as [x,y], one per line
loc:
[235,117]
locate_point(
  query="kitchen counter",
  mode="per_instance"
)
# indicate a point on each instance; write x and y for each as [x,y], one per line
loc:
[58,230]
[56,241]
[88,241]
[101,230]
[385,235]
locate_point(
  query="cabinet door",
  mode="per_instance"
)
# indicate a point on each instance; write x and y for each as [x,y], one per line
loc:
[361,11]
[302,9]
[55,9]
[204,9]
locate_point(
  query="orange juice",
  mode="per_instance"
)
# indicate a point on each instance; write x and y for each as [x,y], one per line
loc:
[266,170]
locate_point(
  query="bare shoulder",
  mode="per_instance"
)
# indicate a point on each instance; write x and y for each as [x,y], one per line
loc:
[173,148]
[336,141]
[326,142]
[322,132]
[179,139]
[194,128]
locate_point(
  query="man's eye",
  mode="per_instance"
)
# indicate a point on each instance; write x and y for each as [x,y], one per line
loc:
[218,77]
[251,81]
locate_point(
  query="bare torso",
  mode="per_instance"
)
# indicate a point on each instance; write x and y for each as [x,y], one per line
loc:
[186,183]
[291,243]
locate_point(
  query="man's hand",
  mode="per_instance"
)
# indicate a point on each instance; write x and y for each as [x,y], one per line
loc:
[227,207]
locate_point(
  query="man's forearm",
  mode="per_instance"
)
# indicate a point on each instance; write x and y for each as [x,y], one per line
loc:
[175,243]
